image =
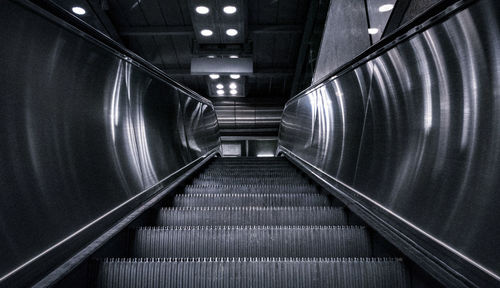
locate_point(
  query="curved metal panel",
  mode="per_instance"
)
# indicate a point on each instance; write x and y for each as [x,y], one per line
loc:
[424,144]
[83,131]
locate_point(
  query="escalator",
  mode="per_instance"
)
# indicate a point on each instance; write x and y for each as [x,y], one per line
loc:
[250,222]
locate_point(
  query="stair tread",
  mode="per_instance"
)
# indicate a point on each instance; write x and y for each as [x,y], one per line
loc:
[252,241]
[266,200]
[315,215]
[252,272]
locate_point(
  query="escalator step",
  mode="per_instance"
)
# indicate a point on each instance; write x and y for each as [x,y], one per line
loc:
[249,189]
[257,173]
[227,216]
[251,180]
[252,241]
[246,273]
[246,200]
[223,170]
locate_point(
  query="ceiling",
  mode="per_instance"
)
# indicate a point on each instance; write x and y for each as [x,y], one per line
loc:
[274,34]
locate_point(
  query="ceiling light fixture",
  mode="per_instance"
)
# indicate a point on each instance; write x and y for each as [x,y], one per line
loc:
[220,92]
[211,56]
[385,7]
[214,76]
[206,32]
[220,86]
[233,92]
[235,76]
[232,86]
[78,10]
[231,32]
[202,10]
[229,9]
[234,56]
[372,31]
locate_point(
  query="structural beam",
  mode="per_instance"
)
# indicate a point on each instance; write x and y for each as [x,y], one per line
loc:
[188,30]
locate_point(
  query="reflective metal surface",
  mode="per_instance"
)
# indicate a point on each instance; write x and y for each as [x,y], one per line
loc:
[83,131]
[415,130]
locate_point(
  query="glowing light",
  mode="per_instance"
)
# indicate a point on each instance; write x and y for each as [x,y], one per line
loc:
[78,10]
[385,7]
[211,56]
[372,31]
[265,155]
[229,9]
[220,92]
[232,86]
[235,76]
[214,76]
[202,10]
[206,32]
[234,56]
[233,92]
[220,86]
[231,32]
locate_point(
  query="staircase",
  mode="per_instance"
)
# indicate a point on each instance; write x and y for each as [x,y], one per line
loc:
[251,222]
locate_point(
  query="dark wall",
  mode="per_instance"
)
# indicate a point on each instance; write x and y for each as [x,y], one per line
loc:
[83,132]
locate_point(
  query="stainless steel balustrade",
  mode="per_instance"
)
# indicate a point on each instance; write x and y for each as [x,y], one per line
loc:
[88,130]
[412,133]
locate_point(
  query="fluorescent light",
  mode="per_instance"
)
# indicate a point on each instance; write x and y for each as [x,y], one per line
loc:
[234,56]
[372,31]
[233,92]
[235,76]
[214,76]
[231,32]
[78,10]
[202,10]
[220,92]
[232,86]
[229,9]
[265,154]
[220,86]
[211,56]
[206,32]
[385,7]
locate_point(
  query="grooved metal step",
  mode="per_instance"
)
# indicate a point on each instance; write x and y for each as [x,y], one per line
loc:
[246,273]
[246,200]
[252,241]
[251,180]
[250,189]
[227,216]
[257,173]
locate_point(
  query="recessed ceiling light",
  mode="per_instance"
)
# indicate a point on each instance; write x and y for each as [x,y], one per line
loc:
[231,32]
[235,76]
[214,76]
[78,10]
[232,86]
[211,56]
[234,56]
[220,92]
[229,9]
[220,86]
[385,7]
[233,92]
[206,32]
[372,31]
[202,10]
